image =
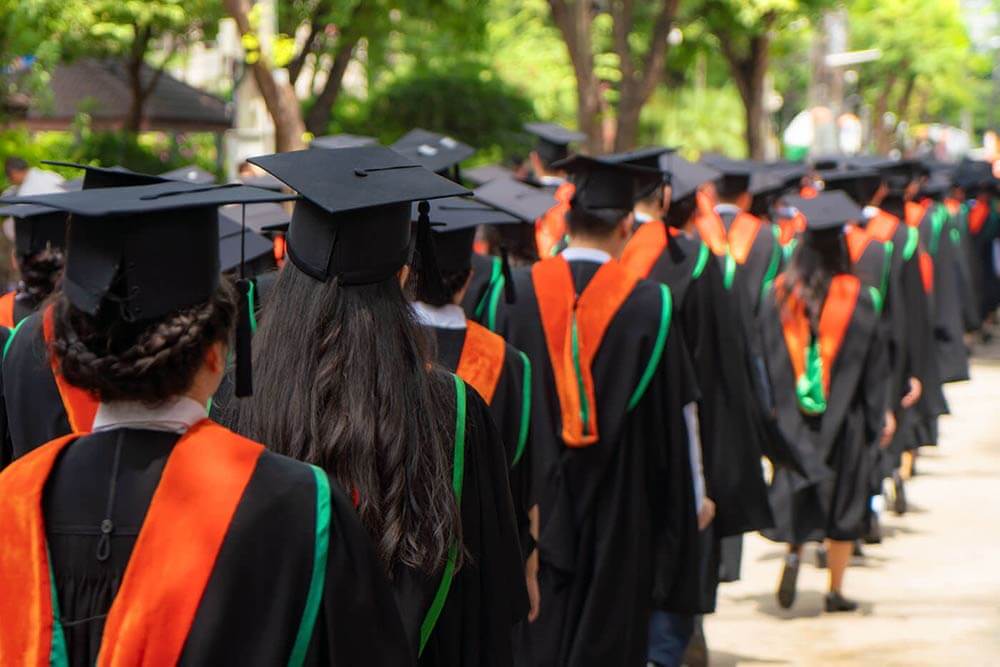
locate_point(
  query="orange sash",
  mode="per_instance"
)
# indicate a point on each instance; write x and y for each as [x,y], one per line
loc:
[914,213]
[883,226]
[574,328]
[742,233]
[791,227]
[977,216]
[645,247]
[550,229]
[838,307]
[953,205]
[7,310]
[709,226]
[857,242]
[926,264]
[808,192]
[80,405]
[165,579]
[481,362]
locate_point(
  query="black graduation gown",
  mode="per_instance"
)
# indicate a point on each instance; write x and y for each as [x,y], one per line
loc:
[618,524]
[948,317]
[763,261]
[485,290]
[253,602]
[488,596]
[982,244]
[727,409]
[34,410]
[511,414]
[844,439]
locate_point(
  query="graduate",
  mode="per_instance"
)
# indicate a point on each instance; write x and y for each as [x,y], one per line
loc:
[827,362]
[615,403]
[161,536]
[39,256]
[736,493]
[344,379]
[508,245]
[497,370]
[552,146]
[39,406]
[434,151]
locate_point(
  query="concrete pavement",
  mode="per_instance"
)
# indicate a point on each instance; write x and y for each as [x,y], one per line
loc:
[930,593]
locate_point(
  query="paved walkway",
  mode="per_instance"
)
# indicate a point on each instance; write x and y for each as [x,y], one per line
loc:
[930,592]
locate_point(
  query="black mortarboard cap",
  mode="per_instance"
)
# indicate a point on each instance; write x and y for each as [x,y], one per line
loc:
[686,177]
[827,210]
[238,246]
[335,141]
[735,173]
[827,162]
[860,184]
[264,217]
[353,221]
[265,181]
[190,174]
[648,157]
[152,249]
[973,174]
[516,198]
[490,172]
[937,185]
[605,185]
[36,228]
[432,151]
[454,221]
[553,140]
[96,178]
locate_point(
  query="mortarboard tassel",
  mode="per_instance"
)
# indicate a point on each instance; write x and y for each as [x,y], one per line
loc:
[244,333]
[509,291]
[429,272]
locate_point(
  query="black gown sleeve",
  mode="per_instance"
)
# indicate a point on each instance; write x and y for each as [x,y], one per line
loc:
[6,448]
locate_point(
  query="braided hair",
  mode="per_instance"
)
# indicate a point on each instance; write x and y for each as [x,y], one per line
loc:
[148,361]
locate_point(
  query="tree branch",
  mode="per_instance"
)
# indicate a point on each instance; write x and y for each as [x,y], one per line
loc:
[657,58]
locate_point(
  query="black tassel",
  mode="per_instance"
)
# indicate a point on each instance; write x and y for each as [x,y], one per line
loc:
[244,339]
[509,291]
[430,276]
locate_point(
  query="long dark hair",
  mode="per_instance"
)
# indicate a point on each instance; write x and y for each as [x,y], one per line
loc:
[819,257]
[343,380]
[149,361]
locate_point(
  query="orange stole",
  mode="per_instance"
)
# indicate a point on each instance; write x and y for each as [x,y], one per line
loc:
[838,307]
[7,310]
[857,242]
[926,264]
[587,316]
[709,226]
[645,247]
[914,213]
[173,558]
[883,226]
[742,233]
[551,227]
[80,405]
[953,205]
[977,216]
[791,227]
[481,361]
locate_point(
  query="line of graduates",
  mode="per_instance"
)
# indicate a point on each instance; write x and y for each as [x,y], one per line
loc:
[520,424]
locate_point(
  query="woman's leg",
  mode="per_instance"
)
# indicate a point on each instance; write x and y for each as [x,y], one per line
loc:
[838,556]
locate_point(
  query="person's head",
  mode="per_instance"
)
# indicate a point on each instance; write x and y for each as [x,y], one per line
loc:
[38,253]
[517,240]
[152,361]
[657,203]
[552,146]
[682,211]
[343,372]
[734,189]
[15,169]
[822,251]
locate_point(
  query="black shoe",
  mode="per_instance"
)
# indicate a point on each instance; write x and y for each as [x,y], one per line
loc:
[789,581]
[874,533]
[835,602]
[899,494]
[858,552]
[821,560]
[696,654]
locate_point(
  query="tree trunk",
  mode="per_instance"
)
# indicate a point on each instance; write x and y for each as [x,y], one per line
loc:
[880,134]
[574,19]
[280,100]
[137,55]
[319,115]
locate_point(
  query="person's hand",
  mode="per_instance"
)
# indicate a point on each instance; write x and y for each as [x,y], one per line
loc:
[912,396]
[534,593]
[706,514]
[888,430]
